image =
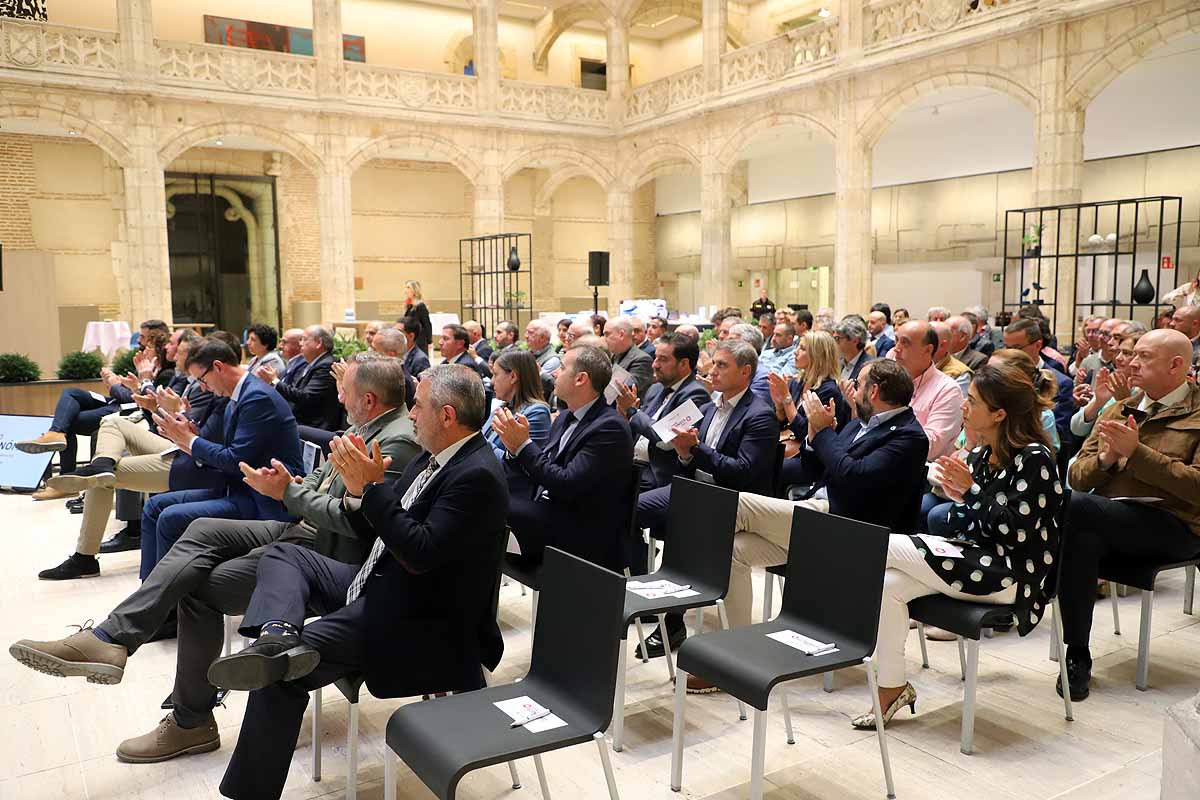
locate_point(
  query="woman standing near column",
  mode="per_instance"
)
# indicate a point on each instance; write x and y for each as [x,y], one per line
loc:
[414,306]
[1002,522]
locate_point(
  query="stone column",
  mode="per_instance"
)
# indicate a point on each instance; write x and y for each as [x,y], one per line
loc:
[1057,174]
[337,250]
[852,257]
[716,250]
[489,198]
[142,266]
[139,58]
[714,18]
[620,247]
[617,68]
[327,47]
[486,37]
[850,30]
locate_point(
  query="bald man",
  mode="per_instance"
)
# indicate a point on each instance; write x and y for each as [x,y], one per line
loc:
[945,360]
[1148,446]
[1186,320]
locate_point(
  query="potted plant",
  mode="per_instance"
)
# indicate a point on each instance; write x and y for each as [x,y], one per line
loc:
[346,346]
[18,368]
[122,363]
[514,300]
[80,366]
[1033,241]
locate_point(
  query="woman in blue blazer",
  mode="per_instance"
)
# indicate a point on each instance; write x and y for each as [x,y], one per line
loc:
[817,371]
[517,382]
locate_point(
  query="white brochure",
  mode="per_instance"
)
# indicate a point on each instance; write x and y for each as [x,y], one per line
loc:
[620,375]
[940,547]
[798,641]
[684,417]
[523,708]
[652,590]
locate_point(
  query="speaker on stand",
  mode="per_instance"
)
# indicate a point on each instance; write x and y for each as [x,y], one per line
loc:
[597,275]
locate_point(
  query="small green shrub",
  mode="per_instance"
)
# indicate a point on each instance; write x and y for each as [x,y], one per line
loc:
[345,346]
[17,368]
[123,363]
[80,366]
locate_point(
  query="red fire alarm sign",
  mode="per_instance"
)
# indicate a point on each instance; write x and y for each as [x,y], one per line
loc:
[1167,263]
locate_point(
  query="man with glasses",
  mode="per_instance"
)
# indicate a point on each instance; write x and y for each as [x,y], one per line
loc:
[1108,342]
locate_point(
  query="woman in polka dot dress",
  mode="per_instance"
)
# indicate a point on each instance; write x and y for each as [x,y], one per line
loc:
[995,543]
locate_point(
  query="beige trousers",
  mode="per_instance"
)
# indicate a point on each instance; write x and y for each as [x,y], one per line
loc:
[764,530]
[143,470]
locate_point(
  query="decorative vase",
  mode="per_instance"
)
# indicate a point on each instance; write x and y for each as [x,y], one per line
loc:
[514,260]
[1143,292]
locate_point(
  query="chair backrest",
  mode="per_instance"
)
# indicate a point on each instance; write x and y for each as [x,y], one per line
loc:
[1052,579]
[635,488]
[701,522]
[835,577]
[777,476]
[578,597]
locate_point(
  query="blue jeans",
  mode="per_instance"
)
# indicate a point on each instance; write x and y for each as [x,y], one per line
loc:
[77,413]
[937,517]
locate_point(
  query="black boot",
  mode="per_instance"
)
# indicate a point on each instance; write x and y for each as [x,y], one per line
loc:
[128,538]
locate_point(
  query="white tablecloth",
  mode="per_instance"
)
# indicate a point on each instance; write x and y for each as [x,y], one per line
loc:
[436,321]
[107,337]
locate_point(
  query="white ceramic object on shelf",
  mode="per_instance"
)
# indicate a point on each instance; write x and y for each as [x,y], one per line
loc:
[1095,239]
[1111,238]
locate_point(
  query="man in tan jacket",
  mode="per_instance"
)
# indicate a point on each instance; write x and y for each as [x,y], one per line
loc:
[1147,447]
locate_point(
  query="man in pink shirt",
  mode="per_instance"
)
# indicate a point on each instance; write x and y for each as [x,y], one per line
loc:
[937,400]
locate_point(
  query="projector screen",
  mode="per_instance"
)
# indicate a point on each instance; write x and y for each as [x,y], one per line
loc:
[20,470]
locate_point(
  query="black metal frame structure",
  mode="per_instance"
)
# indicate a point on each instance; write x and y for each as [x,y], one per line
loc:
[490,292]
[1142,226]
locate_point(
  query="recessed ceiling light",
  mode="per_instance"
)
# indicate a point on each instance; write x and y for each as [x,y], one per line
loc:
[219,142]
[823,13]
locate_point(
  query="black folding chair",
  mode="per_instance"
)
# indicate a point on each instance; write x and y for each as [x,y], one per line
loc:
[833,592]
[968,621]
[571,675]
[700,523]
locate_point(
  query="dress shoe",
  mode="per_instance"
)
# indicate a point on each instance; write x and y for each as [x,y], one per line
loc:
[271,659]
[76,566]
[50,493]
[48,442]
[81,654]
[654,645]
[169,740]
[907,697]
[101,473]
[1079,677]
[123,540]
[700,686]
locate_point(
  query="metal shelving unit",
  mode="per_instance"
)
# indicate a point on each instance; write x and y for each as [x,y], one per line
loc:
[490,292]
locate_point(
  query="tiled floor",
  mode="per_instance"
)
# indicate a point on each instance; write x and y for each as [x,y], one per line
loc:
[57,737]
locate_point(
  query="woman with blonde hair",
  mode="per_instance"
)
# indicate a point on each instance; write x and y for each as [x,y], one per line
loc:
[414,308]
[816,359]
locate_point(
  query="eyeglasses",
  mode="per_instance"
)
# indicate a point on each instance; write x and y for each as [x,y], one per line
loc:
[201,380]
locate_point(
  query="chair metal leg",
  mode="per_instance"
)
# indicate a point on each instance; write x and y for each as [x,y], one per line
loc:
[226,648]
[389,774]
[541,773]
[1112,593]
[637,621]
[666,640]
[1189,588]
[1056,637]
[768,596]
[972,678]
[512,771]
[618,720]
[988,633]
[869,663]
[677,731]
[699,622]
[924,649]
[652,545]
[316,754]
[787,716]
[1055,624]
[828,683]
[758,754]
[607,764]
[1143,662]
[533,614]
[524,589]
[352,753]
[724,617]
[962,659]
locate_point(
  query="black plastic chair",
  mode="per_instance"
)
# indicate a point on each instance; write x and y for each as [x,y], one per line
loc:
[574,676]
[350,687]
[968,621]
[833,592]
[777,488]
[1143,575]
[701,521]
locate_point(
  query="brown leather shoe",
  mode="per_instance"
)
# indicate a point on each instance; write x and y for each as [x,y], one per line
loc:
[169,740]
[80,655]
[48,442]
[700,686]
[50,493]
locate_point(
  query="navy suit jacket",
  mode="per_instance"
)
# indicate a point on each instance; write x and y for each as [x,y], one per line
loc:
[862,362]
[434,592]
[185,472]
[587,482]
[1064,402]
[255,429]
[882,345]
[664,464]
[879,478]
[744,458]
[647,347]
[312,392]
[415,362]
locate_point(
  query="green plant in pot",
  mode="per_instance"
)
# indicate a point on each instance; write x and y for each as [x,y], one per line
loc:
[122,363]
[1033,240]
[18,368]
[80,366]
[346,346]
[514,300]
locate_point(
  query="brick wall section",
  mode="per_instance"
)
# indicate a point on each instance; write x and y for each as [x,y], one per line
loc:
[17,183]
[299,235]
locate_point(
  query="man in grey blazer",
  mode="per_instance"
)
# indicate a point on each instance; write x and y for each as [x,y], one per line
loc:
[211,571]
[618,332]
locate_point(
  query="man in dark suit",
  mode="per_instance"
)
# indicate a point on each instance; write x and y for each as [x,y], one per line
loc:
[734,447]
[640,340]
[478,344]
[310,389]
[418,617]
[878,325]
[583,496]
[674,365]
[416,360]
[961,331]
[618,333]
[258,426]
[850,335]
[455,341]
[1026,335]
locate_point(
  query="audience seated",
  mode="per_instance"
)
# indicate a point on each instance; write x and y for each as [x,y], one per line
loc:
[640,339]
[779,358]
[882,334]
[416,360]
[962,330]
[1002,519]
[1105,389]
[537,339]
[310,389]
[766,325]
[656,328]
[518,386]
[936,401]
[947,363]
[478,346]
[760,385]
[289,351]
[455,341]
[575,331]
[260,343]
[626,354]
[580,502]
[506,335]
[816,362]
[1186,320]
[1145,447]
[1045,383]
[1086,348]
[850,335]
[1049,352]
[211,572]
[1026,335]
[986,339]
[392,342]
[937,314]
[257,428]
[373,327]
[898,318]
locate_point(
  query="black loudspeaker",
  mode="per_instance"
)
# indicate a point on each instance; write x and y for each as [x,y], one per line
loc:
[598,268]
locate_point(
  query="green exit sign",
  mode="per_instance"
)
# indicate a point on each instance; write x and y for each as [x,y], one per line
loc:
[995,277]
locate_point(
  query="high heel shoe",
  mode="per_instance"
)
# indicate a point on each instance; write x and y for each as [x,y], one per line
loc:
[907,697]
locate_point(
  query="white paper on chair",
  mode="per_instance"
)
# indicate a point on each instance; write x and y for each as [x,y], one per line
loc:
[940,547]
[620,375]
[652,590]
[524,707]
[99,398]
[798,641]
[684,417]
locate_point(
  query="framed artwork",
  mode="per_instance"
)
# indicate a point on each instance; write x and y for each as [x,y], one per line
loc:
[24,9]
[267,36]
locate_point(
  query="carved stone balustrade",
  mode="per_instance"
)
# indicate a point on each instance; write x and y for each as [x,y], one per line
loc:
[672,93]
[58,48]
[411,88]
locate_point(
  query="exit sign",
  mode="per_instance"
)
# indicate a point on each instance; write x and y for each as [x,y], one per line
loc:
[995,277]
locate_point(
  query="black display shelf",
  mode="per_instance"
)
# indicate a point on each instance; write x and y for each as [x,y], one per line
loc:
[488,289]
